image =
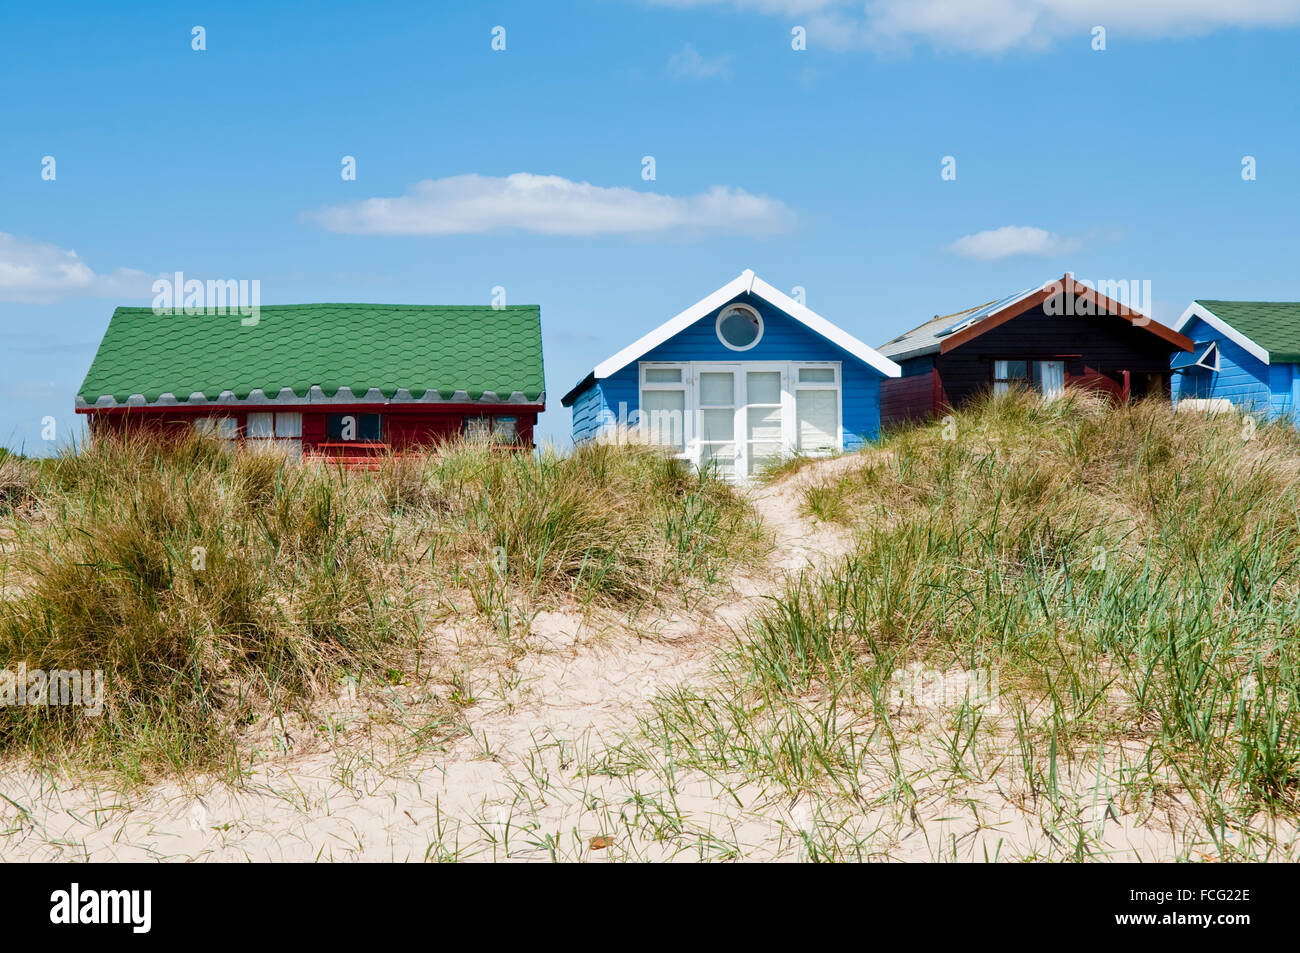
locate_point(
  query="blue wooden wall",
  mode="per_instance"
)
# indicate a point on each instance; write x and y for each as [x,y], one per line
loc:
[1270,389]
[784,339]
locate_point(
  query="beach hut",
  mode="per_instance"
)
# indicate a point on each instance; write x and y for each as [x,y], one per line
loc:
[745,376]
[1058,335]
[1246,355]
[340,381]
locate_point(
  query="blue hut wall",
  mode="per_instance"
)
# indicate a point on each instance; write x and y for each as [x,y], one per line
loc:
[1270,389]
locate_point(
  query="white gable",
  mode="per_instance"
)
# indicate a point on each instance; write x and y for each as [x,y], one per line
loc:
[1195,310]
[747,282]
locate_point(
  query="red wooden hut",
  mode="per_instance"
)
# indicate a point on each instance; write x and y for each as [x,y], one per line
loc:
[339,381]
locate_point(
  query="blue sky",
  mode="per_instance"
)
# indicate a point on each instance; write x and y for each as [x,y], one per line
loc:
[817,168]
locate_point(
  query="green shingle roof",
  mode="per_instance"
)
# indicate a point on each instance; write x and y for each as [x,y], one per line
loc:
[1273,325]
[419,348]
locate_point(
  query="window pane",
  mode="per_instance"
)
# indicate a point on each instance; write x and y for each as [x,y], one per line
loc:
[227,428]
[259,426]
[288,425]
[505,429]
[761,454]
[722,455]
[763,423]
[663,415]
[1049,378]
[663,375]
[364,427]
[817,420]
[1010,370]
[478,428]
[738,327]
[763,387]
[816,375]
[207,426]
[717,424]
[717,390]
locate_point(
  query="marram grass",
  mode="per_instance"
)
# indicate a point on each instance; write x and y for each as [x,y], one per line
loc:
[218,588]
[1131,575]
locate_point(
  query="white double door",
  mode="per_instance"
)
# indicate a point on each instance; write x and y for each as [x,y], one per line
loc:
[740,417]
[743,416]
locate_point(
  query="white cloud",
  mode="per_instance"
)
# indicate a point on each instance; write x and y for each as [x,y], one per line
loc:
[35,271]
[994,26]
[1012,240]
[551,205]
[689,64]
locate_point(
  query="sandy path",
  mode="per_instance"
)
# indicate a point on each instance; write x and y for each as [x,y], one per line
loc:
[520,788]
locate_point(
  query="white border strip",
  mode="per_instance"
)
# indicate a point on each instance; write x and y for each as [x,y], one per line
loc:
[1197,310]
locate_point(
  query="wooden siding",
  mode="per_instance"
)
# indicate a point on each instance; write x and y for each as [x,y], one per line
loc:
[1252,385]
[911,397]
[590,414]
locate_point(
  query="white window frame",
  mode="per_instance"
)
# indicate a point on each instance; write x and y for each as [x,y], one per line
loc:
[739,306]
[687,386]
[277,425]
[1033,379]
[1002,382]
[789,371]
[224,427]
[836,385]
[488,428]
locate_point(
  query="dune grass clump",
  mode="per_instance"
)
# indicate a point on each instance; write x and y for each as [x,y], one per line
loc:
[218,588]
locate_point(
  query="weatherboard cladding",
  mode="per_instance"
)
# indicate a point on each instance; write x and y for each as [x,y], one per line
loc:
[590,414]
[1242,378]
[320,352]
[784,339]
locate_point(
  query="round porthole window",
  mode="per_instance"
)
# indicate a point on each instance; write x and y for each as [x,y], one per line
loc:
[739,327]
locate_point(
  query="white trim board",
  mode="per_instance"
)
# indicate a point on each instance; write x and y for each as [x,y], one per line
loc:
[1197,310]
[747,282]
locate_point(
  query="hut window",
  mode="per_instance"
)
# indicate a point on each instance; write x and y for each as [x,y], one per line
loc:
[1049,378]
[269,426]
[224,428]
[260,426]
[662,417]
[816,375]
[1046,377]
[494,429]
[366,428]
[817,409]
[1006,373]
[283,431]
[739,327]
